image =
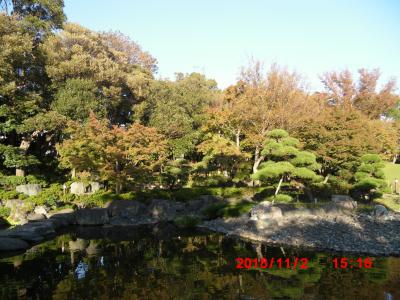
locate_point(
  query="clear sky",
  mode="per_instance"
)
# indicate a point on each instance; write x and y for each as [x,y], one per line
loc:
[216,37]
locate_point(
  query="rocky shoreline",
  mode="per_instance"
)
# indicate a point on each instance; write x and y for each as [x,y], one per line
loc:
[319,229]
[335,227]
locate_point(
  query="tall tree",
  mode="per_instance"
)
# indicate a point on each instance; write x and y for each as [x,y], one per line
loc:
[104,59]
[286,162]
[363,95]
[119,155]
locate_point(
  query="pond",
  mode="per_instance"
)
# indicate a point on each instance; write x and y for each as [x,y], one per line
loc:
[164,263]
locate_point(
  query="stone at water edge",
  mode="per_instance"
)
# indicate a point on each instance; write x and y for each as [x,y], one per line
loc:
[164,210]
[380,211]
[10,244]
[94,216]
[29,189]
[264,210]
[35,217]
[40,210]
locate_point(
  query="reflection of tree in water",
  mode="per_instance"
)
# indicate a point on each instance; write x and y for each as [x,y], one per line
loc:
[185,267]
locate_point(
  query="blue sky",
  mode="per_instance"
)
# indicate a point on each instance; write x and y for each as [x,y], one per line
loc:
[216,37]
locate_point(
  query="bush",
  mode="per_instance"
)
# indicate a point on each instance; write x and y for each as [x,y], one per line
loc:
[49,196]
[10,182]
[281,198]
[227,210]
[187,221]
[4,212]
[8,195]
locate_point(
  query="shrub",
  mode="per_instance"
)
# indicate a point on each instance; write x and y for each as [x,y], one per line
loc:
[227,210]
[281,198]
[8,195]
[4,212]
[187,221]
[10,182]
[49,196]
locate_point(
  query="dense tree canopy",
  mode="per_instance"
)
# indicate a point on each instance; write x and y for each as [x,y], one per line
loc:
[95,96]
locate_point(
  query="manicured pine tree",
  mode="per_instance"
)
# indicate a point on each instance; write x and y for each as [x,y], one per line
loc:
[285,162]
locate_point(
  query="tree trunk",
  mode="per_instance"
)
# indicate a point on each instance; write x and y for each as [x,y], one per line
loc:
[24,146]
[238,138]
[73,173]
[257,160]
[326,178]
[279,186]
[394,159]
[19,172]
[309,194]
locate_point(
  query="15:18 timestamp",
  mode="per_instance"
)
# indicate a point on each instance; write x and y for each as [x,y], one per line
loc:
[349,263]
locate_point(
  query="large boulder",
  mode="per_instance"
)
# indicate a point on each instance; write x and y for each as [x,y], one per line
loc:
[40,210]
[94,216]
[78,188]
[126,208]
[35,217]
[197,206]
[264,211]
[18,210]
[29,189]
[94,186]
[25,235]
[380,211]
[62,218]
[12,244]
[164,210]
[344,202]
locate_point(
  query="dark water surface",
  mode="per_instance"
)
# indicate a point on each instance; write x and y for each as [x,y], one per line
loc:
[161,263]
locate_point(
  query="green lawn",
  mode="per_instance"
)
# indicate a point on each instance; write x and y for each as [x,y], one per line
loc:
[392,172]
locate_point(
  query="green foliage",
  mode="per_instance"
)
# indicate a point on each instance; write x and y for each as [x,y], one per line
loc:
[14,157]
[4,212]
[8,195]
[227,210]
[50,196]
[187,221]
[370,177]
[10,182]
[175,173]
[281,198]
[77,98]
[286,162]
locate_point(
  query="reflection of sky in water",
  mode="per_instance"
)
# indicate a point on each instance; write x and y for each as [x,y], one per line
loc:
[81,270]
[102,261]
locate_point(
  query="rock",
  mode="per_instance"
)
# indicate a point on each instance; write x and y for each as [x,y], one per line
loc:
[78,188]
[11,244]
[29,189]
[380,211]
[198,205]
[35,217]
[40,210]
[345,203]
[61,212]
[18,210]
[62,218]
[23,235]
[126,208]
[94,216]
[44,228]
[164,210]
[264,210]
[94,186]
[335,198]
